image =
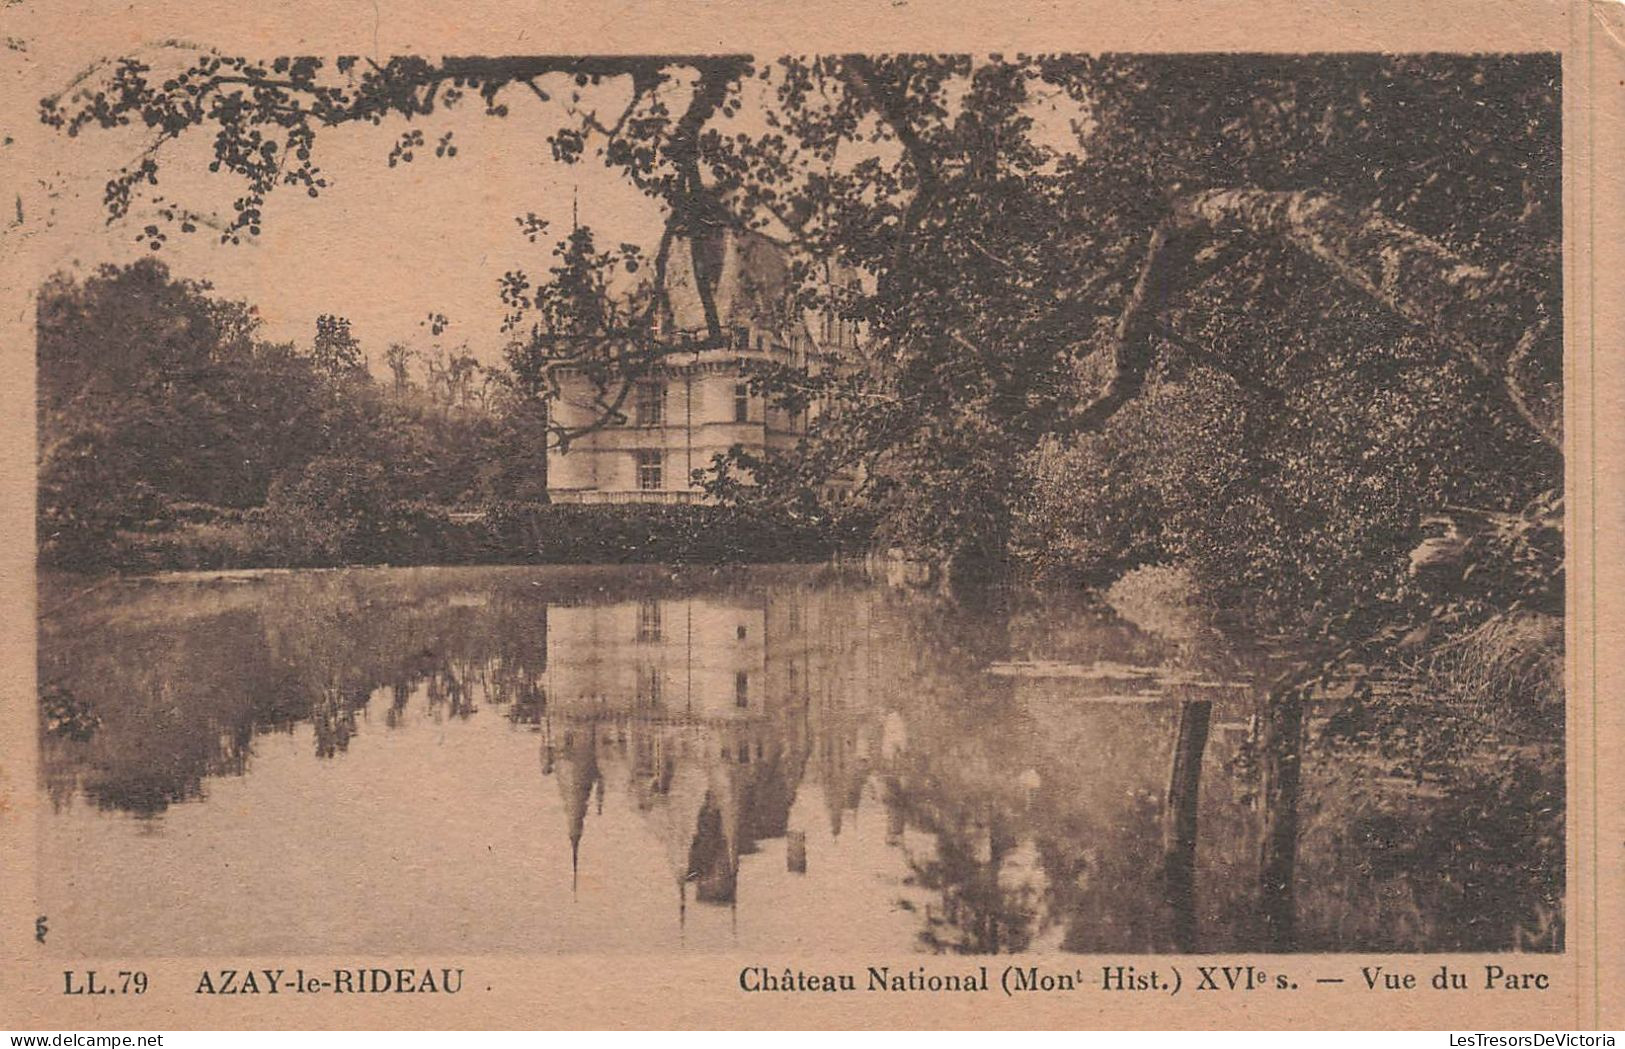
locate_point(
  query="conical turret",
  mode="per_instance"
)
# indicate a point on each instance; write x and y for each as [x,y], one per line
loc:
[576,766]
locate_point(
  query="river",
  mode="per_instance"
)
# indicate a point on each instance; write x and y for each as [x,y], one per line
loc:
[637,759]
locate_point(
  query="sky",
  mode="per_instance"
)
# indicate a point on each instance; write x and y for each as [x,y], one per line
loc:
[382,245]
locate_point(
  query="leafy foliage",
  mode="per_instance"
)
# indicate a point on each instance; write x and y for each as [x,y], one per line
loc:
[335,351]
[993,214]
[991,226]
[160,406]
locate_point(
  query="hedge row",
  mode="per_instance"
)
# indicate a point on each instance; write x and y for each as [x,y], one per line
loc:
[514,533]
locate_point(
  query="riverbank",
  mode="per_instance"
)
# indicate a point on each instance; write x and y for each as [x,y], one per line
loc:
[502,534]
[297,696]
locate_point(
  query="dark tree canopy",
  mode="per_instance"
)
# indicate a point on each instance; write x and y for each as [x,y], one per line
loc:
[1033,241]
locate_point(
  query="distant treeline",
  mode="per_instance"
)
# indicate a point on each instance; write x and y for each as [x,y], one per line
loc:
[171,436]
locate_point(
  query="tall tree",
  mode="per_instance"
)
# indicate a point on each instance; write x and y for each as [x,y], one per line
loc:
[1031,234]
[335,350]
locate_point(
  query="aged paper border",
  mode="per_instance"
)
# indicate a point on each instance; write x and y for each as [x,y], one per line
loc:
[585,991]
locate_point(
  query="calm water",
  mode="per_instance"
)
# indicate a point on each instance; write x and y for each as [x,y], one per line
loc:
[627,759]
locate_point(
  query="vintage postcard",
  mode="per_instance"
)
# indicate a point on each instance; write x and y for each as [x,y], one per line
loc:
[911,514]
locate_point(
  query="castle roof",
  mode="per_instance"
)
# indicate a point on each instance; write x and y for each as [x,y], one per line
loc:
[749,277]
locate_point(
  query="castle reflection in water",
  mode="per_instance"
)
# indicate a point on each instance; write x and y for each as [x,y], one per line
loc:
[1020,809]
[710,759]
[729,725]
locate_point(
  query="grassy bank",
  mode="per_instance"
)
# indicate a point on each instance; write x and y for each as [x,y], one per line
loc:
[510,533]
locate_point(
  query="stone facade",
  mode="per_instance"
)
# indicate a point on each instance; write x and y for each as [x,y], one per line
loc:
[697,405]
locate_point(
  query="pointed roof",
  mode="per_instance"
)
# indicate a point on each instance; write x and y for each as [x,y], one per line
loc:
[577,771]
[749,277]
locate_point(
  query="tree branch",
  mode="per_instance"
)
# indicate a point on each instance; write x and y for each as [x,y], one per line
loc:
[1460,304]
[1166,254]
[1244,379]
[1449,299]
[888,98]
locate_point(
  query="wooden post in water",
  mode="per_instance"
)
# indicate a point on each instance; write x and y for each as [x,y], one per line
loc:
[1281,754]
[795,851]
[1179,822]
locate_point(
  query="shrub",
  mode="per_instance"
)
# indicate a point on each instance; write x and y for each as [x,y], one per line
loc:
[85,500]
[338,516]
[642,533]
[1160,599]
[1508,673]
[335,510]
[212,546]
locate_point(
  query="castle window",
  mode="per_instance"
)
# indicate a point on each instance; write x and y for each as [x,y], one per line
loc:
[650,477]
[651,404]
[741,689]
[742,402]
[741,338]
[649,625]
[649,687]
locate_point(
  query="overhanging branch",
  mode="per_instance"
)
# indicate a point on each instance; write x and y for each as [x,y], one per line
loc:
[1478,318]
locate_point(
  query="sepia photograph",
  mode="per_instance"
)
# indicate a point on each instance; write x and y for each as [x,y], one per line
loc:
[909,506]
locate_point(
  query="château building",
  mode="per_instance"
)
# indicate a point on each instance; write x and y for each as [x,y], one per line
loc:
[697,404]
